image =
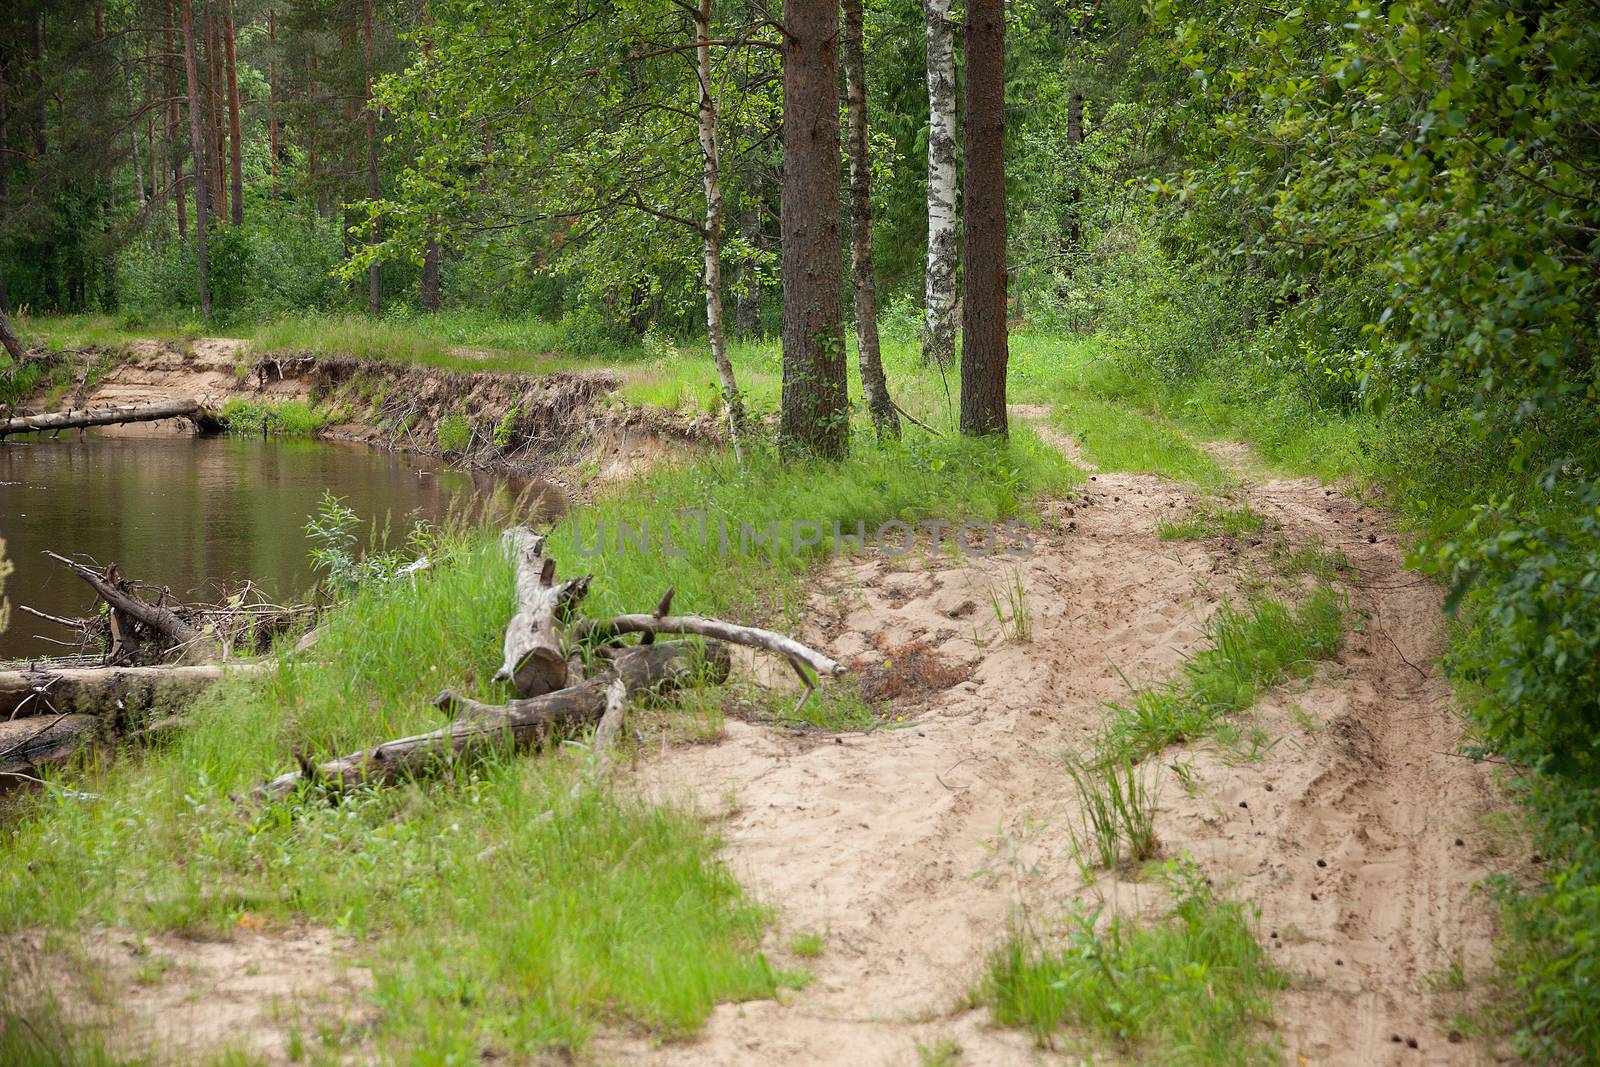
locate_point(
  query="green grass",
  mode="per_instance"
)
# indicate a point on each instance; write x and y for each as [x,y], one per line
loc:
[1248,649]
[1117,807]
[1212,517]
[287,418]
[61,332]
[1194,987]
[808,945]
[487,930]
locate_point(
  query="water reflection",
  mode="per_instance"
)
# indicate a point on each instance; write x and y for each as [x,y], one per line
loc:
[194,513]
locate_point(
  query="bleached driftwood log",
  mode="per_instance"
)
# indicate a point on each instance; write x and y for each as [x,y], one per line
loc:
[535,660]
[204,419]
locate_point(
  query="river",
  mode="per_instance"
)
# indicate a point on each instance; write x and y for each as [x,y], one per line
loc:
[195,514]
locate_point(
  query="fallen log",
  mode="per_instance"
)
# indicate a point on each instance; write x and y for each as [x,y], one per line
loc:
[102,690]
[29,744]
[535,661]
[205,419]
[523,723]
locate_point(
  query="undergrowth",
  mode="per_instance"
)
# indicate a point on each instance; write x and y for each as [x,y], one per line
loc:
[286,418]
[1194,986]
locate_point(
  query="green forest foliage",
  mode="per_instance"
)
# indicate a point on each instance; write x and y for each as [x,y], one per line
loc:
[1362,235]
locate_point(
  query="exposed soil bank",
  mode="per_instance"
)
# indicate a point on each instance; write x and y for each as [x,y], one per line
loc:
[530,424]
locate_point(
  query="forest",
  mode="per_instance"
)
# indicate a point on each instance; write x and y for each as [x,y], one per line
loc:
[1272,325]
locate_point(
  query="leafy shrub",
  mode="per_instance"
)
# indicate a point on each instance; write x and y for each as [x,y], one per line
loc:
[290,418]
[453,432]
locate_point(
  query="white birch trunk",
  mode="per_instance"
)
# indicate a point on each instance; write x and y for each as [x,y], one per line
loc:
[712,176]
[939,326]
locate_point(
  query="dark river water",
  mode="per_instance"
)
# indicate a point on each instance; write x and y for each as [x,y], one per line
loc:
[195,513]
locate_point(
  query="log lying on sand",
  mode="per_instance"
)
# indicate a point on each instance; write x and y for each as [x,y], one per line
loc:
[102,690]
[205,419]
[524,723]
[699,626]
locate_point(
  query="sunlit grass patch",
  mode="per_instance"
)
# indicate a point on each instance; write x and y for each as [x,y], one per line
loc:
[1195,986]
[1212,517]
[286,418]
[90,330]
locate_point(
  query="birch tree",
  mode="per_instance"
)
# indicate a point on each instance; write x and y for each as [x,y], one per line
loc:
[612,128]
[939,294]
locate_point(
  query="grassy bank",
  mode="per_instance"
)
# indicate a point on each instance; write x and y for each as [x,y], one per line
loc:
[486,930]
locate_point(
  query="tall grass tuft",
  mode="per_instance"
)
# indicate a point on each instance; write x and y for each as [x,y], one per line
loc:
[1194,987]
[1249,648]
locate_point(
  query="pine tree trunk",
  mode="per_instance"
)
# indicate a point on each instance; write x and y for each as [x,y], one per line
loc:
[873,385]
[272,101]
[41,115]
[711,176]
[939,295]
[374,279]
[236,155]
[171,83]
[192,74]
[983,317]
[218,186]
[815,409]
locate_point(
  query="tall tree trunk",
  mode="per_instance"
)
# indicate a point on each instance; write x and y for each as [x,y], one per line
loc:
[939,292]
[236,154]
[138,167]
[196,102]
[5,171]
[374,281]
[8,340]
[711,178]
[218,184]
[41,114]
[747,303]
[216,176]
[171,83]
[1072,232]
[873,385]
[272,101]
[428,289]
[815,408]
[983,317]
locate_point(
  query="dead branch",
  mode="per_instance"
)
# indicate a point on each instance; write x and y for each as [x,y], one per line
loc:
[477,727]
